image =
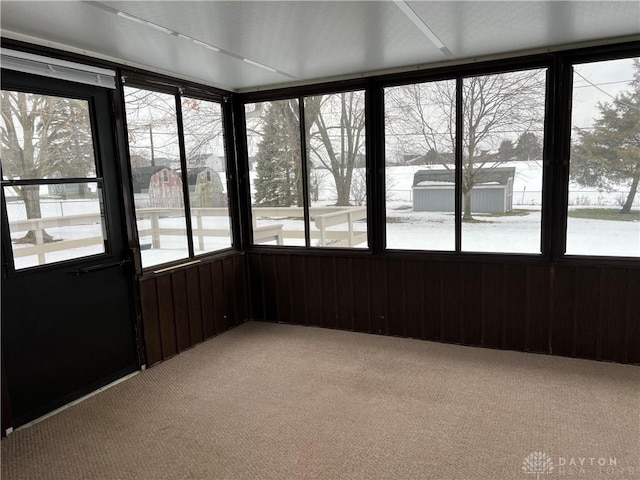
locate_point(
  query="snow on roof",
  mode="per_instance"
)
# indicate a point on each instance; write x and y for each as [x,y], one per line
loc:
[485,175]
[435,183]
[527,174]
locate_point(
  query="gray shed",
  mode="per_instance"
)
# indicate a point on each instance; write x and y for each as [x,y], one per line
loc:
[434,190]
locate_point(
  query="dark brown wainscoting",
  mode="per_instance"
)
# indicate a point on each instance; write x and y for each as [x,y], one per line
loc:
[185,306]
[577,311]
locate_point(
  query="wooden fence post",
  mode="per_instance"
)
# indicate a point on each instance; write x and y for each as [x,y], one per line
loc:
[155,226]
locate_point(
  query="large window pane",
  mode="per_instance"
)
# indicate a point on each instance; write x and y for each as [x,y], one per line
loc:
[420,165]
[273,142]
[501,186]
[336,161]
[206,163]
[156,175]
[604,207]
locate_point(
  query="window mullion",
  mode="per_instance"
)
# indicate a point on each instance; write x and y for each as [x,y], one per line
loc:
[305,173]
[561,164]
[184,174]
[376,173]
[552,139]
[458,166]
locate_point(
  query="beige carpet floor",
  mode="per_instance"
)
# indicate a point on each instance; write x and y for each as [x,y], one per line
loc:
[267,401]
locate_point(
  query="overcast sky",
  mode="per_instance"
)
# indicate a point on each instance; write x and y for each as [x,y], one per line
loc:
[610,78]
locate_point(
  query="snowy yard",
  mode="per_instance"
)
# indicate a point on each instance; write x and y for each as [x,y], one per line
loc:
[516,232]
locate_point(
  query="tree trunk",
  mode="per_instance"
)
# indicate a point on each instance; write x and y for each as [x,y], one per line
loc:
[466,208]
[343,189]
[31,196]
[299,189]
[632,193]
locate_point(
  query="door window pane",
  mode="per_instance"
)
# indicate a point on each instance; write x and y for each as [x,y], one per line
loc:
[206,164]
[273,143]
[503,136]
[336,162]
[52,223]
[46,137]
[420,165]
[603,216]
[156,176]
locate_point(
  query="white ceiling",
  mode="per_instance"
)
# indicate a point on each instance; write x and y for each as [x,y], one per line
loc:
[310,40]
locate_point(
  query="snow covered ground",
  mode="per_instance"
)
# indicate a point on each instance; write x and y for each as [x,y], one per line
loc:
[518,232]
[514,234]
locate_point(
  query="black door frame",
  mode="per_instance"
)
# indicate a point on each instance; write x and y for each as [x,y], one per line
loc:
[118,254]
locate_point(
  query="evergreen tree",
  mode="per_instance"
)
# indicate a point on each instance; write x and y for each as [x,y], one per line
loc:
[507,151]
[608,155]
[278,162]
[528,147]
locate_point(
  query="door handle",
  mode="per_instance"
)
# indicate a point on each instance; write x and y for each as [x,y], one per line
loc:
[101,266]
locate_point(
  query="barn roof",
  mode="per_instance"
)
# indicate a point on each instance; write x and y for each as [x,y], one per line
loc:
[192,175]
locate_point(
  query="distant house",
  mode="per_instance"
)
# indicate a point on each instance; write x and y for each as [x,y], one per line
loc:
[434,190]
[214,162]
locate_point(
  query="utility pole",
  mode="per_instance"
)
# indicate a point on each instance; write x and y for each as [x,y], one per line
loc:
[153,160]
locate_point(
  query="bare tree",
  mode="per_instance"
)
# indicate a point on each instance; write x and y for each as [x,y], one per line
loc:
[153,132]
[151,124]
[202,122]
[421,117]
[336,136]
[43,137]
[495,107]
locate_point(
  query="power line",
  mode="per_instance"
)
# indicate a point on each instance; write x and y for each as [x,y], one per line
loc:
[446,134]
[604,83]
[605,92]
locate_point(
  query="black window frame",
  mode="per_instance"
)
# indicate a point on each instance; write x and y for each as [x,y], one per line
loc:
[459,74]
[299,94]
[566,61]
[557,133]
[179,89]
[33,84]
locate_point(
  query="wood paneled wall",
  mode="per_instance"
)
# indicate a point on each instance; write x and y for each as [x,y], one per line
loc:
[185,306]
[578,311]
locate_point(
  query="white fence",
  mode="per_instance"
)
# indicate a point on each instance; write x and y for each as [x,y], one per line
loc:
[324,219]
